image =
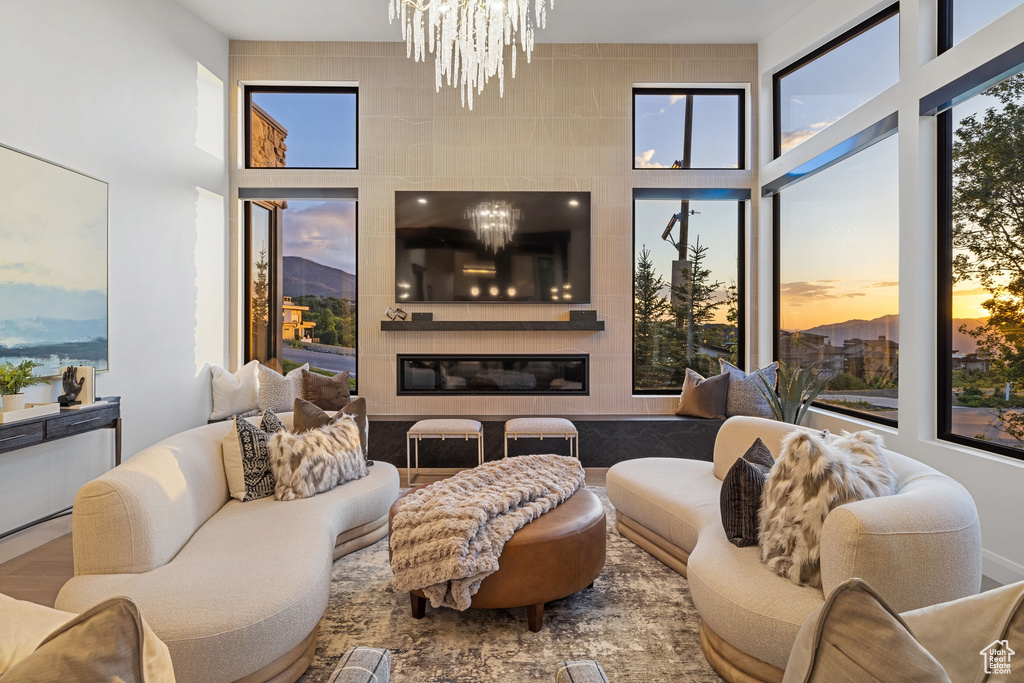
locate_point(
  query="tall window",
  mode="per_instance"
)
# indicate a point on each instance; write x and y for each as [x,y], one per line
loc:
[300,127]
[826,85]
[959,19]
[837,248]
[687,290]
[691,128]
[301,275]
[982,282]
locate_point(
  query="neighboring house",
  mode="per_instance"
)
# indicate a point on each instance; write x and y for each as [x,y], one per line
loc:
[294,326]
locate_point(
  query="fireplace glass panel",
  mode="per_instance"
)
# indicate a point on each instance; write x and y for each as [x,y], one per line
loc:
[505,375]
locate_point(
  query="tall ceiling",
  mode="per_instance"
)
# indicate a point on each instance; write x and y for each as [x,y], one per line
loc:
[569,21]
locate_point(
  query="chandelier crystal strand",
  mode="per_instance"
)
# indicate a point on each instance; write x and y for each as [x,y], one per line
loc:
[494,223]
[468,37]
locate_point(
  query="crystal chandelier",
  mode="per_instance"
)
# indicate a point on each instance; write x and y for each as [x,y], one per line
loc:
[494,223]
[468,37]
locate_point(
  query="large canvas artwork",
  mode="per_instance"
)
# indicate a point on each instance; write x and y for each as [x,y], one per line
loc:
[53,265]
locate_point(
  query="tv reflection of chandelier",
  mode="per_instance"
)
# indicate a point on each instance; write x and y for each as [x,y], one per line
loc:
[494,223]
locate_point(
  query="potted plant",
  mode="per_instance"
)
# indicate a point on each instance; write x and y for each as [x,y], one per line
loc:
[14,378]
[797,389]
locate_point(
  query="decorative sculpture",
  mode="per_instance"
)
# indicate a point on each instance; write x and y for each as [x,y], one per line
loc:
[72,386]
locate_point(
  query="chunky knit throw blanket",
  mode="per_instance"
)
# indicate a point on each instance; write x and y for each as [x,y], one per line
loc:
[447,538]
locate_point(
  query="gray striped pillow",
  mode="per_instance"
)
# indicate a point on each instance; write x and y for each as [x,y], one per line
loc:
[363,665]
[740,498]
[583,671]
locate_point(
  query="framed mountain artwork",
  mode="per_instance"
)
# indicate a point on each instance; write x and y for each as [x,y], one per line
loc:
[53,265]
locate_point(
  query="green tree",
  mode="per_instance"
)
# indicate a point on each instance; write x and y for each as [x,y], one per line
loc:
[988,230]
[696,303]
[650,310]
[259,304]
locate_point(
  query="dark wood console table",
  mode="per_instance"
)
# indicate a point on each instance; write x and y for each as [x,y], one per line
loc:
[67,422]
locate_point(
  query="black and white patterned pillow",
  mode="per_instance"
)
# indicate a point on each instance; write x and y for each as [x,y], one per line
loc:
[252,443]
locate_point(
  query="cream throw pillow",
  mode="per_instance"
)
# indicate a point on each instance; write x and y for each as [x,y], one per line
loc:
[856,638]
[23,625]
[956,632]
[235,393]
[110,642]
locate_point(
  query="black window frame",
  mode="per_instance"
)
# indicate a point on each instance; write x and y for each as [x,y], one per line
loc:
[266,199]
[741,96]
[247,92]
[845,37]
[941,104]
[880,131]
[741,280]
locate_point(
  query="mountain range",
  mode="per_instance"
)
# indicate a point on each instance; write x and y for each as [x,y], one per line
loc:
[888,326]
[304,277]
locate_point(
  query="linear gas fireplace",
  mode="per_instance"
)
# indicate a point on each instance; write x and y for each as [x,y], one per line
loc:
[506,375]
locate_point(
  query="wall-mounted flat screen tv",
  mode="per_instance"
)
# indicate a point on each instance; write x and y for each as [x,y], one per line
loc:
[484,247]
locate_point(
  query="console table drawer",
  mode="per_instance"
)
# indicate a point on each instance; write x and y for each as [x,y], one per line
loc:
[19,436]
[84,421]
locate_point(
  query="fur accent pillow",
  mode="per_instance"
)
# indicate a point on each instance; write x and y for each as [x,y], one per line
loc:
[810,479]
[745,398]
[307,416]
[703,397]
[278,392]
[316,461]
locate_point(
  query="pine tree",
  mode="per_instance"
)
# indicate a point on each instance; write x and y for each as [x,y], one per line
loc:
[650,309]
[696,302]
[259,305]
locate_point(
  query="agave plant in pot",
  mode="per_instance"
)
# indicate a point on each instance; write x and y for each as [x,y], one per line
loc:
[797,389]
[14,378]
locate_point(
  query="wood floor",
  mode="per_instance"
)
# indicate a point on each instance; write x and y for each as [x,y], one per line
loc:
[37,576]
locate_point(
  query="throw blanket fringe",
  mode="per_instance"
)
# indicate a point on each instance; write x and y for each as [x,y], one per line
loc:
[447,538]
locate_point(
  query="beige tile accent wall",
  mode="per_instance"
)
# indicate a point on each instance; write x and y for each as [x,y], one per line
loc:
[565,123]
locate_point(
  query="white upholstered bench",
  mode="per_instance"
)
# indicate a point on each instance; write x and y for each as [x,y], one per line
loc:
[539,427]
[441,429]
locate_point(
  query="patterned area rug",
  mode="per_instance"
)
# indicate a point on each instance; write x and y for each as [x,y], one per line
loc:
[638,621]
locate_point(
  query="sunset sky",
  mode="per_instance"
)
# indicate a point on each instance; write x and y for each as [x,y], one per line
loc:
[660,121]
[324,232]
[840,242]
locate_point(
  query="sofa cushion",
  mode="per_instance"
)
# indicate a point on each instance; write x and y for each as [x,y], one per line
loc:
[854,637]
[672,497]
[247,457]
[327,393]
[23,625]
[278,392]
[742,601]
[236,393]
[703,397]
[741,494]
[745,397]
[957,632]
[316,460]
[250,584]
[110,642]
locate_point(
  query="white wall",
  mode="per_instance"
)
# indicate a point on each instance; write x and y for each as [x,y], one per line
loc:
[994,481]
[130,92]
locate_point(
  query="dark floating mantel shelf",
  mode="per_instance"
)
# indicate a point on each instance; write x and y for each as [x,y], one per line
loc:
[492,326]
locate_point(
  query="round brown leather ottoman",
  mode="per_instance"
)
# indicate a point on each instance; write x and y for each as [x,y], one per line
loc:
[558,554]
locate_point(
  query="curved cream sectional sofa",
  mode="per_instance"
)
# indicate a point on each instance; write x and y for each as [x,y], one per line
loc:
[921,546]
[236,590]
